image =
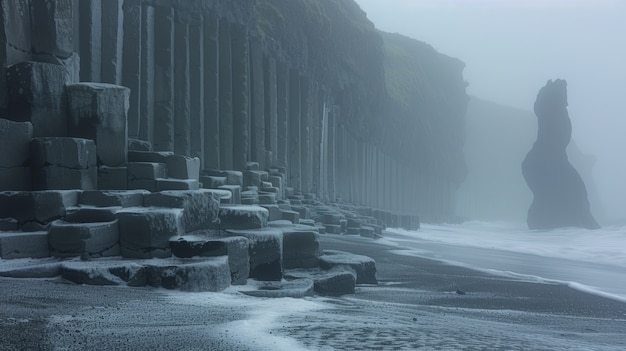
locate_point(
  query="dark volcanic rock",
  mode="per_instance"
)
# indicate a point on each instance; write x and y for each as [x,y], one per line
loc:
[560,196]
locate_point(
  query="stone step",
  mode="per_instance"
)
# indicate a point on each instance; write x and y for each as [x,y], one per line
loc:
[292,216]
[200,208]
[265,250]
[211,244]
[232,177]
[297,288]
[145,232]
[243,217]
[85,240]
[300,248]
[336,281]
[146,170]
[203,274]
[105,272]
[108,198]
[23,245]
[365,267]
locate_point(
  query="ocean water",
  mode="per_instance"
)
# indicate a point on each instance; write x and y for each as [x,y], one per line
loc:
[589,260]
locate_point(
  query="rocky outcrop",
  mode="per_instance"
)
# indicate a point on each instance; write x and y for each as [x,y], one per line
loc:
[560,196]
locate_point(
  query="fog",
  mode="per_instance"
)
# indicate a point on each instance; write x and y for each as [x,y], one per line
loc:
[512,47]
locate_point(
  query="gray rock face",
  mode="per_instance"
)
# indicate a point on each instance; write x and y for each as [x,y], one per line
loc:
[145,232]
[63,163]
[98,111]
[206,274]
[105,273]
[243,217]
[560,196]
[15,140]
[297,288]
[364,266]
[266,252]
[122,198]
[300,248]
[207,244]
[36,93]
[200,208]
[23,245]
[52,30]
[98,239]
[336,281]
[40,207]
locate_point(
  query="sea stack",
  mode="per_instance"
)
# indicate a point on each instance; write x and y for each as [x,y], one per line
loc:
[560,197]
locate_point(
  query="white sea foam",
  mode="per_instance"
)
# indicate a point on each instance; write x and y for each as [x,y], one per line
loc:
[588,260]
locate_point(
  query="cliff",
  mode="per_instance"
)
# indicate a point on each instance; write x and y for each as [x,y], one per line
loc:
[309,87]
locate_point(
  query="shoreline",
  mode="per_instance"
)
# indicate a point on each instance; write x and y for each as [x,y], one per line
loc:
[416,304]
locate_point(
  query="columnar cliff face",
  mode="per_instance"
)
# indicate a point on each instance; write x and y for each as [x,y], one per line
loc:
[307,85]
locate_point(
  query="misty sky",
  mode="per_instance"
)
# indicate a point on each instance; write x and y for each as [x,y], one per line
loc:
[512,47]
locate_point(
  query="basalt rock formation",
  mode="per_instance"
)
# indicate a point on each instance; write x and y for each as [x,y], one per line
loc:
[560,196]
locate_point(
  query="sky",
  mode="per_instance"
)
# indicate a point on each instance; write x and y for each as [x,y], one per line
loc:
[512,47]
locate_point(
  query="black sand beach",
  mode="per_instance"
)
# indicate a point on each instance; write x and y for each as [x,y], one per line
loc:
[419,304]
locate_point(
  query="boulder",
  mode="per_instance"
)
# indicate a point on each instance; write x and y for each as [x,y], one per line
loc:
[163,184]
[207,244]
[105,272]
[200,208]
[16,137]
[86,240]
[183,167]
[41,206]
[297,288]
[108,198]
[63,163]
[203,274]
[336,281]
[23,245]
[145,232]
[98,111]
[236,193]
[300,248]
[232,177]
[146,170]
[364,266]
[36,93]
[265,247]
[112,178]
[559,193]
[242,217]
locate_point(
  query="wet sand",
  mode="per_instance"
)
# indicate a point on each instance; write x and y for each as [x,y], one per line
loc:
[417,305]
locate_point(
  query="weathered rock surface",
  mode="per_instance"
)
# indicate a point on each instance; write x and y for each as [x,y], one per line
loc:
[72,239]
[300,248]
[243,217]
[560,196]
[105,272]
[23,245]
[364,266]
[41,207]
[64,163]
[297,288]
[108,198]
[200,208]
[336,281]
[145,232]
[265,251]
[98,111]
[205,274]
[208,244]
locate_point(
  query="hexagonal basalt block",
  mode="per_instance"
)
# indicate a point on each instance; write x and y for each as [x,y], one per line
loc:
[205,274]
[23,245]
[266,252]
[207,244]
[105,272]
[100,239]
[145,232]
[243,217]
[200,208]
[300,248]
[365,267]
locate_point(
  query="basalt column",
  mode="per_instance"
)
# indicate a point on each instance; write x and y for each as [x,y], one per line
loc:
[316,139]
[240,61]
[90,41]
[211,92]
[164,79]
[196,84]
[182,123]
[131,61]
[271,111]
[294,130]
[305,135]
[112,41]
[146,92]
[225,96]
[257,104]
[282,114]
